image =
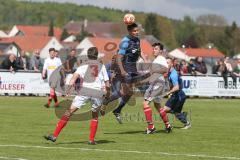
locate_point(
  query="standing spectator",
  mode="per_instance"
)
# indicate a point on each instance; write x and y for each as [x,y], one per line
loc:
[22,62]
[192,67]
[10,63]
[215,67]
[230,70]
[222,71]
[71,61]
[183,68]
[236,70]
[201,67]
[36,62]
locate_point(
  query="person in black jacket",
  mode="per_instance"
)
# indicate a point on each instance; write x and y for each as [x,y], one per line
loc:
[10,63]
[22,62]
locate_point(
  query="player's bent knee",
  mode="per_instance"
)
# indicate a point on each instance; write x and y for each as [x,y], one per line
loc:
[145,104]
[167,109]
[95,114]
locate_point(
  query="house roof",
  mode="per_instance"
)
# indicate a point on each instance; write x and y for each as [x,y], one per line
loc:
[202,52]
[109,46]
[69,45]
[98,29]
[38,30]
[3,46]
[28,43]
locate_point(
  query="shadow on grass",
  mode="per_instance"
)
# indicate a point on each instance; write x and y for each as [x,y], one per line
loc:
[86,142]
[134,132]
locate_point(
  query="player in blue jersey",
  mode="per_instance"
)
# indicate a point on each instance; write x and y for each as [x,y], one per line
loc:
[175,103]
[128,55]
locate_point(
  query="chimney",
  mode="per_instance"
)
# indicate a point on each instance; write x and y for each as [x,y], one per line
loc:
[85,23]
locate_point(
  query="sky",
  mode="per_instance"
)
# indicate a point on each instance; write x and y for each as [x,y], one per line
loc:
[175,9]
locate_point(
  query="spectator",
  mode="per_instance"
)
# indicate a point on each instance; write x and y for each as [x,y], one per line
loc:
[183,68]
[71,61]
[230,70]
[215,67]
[222,71]
[236,70]
[10,63]
[201,67]
[192,67]
[36,62]
[22,62]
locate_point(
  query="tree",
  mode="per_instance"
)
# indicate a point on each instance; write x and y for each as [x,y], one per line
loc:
[211,20]
[187,33]
[151,25]
[232,34]
[83,34]
[51,29]
[64,34]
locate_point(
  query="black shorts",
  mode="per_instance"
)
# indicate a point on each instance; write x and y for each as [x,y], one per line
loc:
[176,102]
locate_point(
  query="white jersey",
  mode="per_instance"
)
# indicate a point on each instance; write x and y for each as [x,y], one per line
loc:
[93,74]
[161,61]
[51,64]
[158,63]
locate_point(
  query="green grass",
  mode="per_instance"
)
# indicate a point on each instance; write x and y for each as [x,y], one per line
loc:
[215,132]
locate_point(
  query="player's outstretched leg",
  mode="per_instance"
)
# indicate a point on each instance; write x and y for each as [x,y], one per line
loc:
[93,128]
[61,124]
[148,114]
[117,111]
[183,118]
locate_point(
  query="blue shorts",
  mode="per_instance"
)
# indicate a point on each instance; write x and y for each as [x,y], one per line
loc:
[176,102]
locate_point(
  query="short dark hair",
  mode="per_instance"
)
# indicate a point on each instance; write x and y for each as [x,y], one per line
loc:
[51,49]
[92,53]
[131,26]
[158,44]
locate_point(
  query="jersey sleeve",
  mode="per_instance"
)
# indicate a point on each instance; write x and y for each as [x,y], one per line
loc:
[45,66]
[164,62]
[59,62]
[79,71]
[104,73]
[174,78]
[123,46]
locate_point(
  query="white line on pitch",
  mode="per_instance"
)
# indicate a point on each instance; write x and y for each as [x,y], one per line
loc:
[125,151]
[12,158]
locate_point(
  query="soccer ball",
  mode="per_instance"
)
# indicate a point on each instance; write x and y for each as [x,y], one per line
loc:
[129,19]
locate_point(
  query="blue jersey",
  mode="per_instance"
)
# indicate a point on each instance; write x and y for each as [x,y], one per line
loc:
[174,79]
[130,49]
[177,100]
[108,68]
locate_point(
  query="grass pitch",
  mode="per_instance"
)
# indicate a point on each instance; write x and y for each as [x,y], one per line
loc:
[215,133]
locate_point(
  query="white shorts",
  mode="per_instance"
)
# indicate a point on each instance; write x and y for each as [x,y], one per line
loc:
[157,99]
[80,101]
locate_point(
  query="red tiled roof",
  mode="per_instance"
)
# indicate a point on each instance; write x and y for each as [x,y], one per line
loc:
[98,29]
[109,46]
[28,43]
[202,52]
[38,30]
